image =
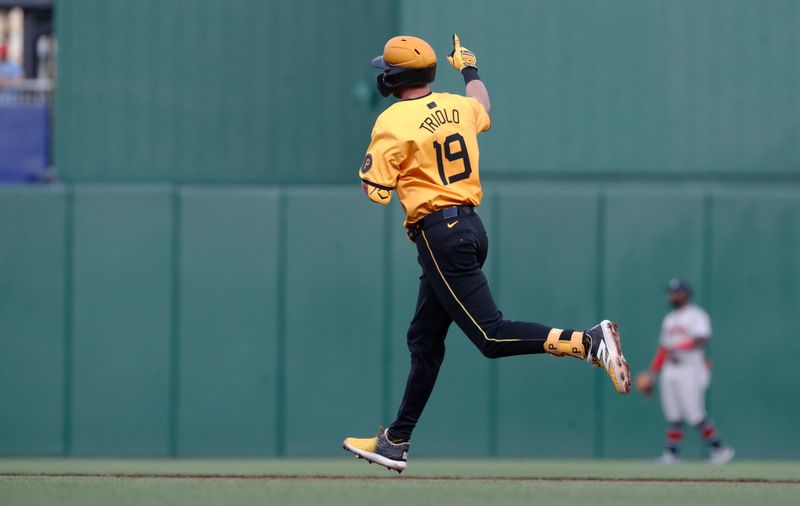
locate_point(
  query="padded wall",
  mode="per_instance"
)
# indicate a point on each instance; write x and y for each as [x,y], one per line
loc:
[227,343]
[32,318]
[157,320]
[121,321]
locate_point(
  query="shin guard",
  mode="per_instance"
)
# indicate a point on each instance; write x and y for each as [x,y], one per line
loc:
[566,342]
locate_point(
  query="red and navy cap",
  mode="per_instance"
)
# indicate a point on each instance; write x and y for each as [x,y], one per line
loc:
[679,285]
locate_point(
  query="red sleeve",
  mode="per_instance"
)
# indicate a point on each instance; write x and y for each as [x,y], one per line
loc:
[658,359]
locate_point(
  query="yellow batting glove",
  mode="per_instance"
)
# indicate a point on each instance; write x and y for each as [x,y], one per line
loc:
[461,57]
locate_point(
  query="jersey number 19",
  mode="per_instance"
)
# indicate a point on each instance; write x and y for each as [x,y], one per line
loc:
[461,154]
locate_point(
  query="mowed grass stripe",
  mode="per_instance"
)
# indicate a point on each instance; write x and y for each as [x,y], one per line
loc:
[556,469]
[95,491]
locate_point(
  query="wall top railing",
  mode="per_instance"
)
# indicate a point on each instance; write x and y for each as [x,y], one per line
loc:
[26,92]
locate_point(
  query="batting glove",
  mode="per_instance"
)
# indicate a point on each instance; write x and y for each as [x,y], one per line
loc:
[461,57]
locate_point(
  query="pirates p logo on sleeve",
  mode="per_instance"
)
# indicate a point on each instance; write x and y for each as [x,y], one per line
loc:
[366,164]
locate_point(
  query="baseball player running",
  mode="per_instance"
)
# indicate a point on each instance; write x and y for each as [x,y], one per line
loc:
[425,149]
[684,374]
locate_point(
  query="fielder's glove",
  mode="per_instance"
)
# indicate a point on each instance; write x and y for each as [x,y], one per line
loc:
[645,383]
[461,57]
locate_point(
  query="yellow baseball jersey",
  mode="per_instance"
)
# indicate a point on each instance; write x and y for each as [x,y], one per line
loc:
[426,149]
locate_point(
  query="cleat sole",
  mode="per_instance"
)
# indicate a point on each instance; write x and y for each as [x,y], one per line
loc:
[374,458]
[621,373]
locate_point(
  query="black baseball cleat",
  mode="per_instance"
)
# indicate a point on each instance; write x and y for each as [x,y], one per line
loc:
[379,450]
[605,351]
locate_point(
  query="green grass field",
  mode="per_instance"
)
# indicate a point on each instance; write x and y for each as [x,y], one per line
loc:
[348,482]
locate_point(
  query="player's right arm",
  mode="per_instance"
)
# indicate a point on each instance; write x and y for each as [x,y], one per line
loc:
[381,165]
[465,61]
[477,90]
[658,360]
[645,380]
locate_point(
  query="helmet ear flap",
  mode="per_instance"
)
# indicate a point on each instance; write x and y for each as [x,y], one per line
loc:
[398,77]
[384,89]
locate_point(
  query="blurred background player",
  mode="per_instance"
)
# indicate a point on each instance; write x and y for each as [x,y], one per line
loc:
[425,147]
[685,374]
[10,71]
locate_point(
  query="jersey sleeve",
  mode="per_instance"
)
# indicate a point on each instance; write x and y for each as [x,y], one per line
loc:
[701,328]
[381,165]
[482,120]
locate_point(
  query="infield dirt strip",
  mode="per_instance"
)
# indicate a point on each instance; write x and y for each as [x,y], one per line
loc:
[443,471]
[412,479]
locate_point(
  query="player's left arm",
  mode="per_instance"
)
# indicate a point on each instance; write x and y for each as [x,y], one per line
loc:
[381,166]
[377,193]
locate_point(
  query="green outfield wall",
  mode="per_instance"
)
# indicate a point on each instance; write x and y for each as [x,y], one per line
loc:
[216,90]
[658,87]
[282,91]
[196,320]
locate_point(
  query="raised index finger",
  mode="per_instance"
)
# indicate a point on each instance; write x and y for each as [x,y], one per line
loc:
[456,42]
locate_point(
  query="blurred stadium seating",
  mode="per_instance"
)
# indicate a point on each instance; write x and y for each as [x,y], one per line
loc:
[25,110]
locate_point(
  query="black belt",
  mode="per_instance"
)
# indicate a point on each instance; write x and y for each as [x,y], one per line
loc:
[435,217]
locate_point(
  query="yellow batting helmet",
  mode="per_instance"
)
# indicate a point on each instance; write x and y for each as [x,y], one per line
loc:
[406,61]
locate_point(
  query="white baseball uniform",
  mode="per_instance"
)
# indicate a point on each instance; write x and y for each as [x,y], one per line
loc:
[685,375]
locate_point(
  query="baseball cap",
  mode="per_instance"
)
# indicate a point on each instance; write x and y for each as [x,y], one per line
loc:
[679,285]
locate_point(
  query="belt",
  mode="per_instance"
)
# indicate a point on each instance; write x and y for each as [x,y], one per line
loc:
[435,217]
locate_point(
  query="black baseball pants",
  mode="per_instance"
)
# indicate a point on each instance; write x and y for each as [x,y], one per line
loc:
[452,250]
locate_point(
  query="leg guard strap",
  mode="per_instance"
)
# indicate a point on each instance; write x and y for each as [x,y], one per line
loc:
[562,342]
